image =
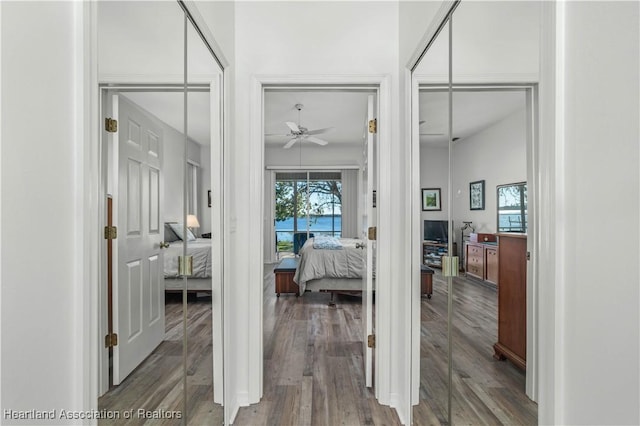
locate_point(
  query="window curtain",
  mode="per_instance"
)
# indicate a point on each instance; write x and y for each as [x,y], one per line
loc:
[192,189]
[269,248]
[350,203]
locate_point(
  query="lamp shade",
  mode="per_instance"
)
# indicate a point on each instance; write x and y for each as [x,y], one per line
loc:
[192,221]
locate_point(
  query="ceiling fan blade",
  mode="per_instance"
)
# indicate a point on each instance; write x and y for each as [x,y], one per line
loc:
[319,131]
[316,140]
[290,143]
[293,126]
[421,122]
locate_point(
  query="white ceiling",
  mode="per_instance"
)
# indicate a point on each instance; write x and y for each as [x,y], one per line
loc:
[344,110]
[168,107]
[473,111]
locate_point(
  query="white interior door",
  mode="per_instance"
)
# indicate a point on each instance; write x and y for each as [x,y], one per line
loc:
[139,289]
[369,246]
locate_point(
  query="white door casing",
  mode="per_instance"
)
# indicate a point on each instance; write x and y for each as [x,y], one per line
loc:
[139,313]
[368,172]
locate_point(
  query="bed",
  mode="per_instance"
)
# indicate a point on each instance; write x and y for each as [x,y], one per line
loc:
[200,250]
[330,268]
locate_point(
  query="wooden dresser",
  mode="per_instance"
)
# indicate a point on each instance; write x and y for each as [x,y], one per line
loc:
[481,261]
[512,299]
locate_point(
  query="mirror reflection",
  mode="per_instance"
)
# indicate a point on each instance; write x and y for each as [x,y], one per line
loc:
[432,76]
[464,378]
[157,174]
[203,369]
[495,49]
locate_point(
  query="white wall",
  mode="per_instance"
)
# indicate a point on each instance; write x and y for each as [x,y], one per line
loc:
[313,156]
[599,314]
[42,363]
[434,173]
[496,155]
[300,38]
[496,41]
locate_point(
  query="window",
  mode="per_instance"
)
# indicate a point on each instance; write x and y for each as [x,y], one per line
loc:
[308,202]
[512,207]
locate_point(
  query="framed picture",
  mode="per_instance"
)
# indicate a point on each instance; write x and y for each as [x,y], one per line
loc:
[476,195]
[431,199]
[209,197]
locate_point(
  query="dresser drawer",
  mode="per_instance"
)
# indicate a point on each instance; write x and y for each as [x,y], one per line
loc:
[475,270]
[473,251]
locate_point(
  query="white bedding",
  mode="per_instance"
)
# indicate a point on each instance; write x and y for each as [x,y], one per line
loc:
[200,249]
[347,262]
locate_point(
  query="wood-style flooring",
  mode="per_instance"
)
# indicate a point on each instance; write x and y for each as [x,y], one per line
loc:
[485,391]
[156,385]
[313,368]
[313,365]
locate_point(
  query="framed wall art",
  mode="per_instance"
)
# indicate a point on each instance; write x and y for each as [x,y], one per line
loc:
[431,199]
[476,195]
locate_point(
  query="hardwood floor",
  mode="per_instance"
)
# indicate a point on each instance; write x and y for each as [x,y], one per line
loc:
[485,391]
[156,385]
[314,372]
[313,364]
[314,369]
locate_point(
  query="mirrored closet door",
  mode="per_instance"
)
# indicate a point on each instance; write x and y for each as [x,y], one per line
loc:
[431,100]
[161,101]
[490,371]
[202,285]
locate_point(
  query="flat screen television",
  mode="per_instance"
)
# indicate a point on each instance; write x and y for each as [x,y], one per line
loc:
[436,230]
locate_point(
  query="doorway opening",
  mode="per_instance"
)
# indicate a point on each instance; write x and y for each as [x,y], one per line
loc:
[274,158]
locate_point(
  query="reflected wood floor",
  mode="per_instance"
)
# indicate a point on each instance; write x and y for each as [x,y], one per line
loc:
[485,391]
[156,384]
[313,364]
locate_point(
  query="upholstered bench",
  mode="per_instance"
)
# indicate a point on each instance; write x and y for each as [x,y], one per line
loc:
[426,281]
[284,272]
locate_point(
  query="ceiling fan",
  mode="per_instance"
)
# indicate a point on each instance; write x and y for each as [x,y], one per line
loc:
[298,133]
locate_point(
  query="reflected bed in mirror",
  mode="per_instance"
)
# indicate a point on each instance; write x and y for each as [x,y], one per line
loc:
[512,207]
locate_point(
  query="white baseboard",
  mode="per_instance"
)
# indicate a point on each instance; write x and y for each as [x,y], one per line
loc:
[395,402]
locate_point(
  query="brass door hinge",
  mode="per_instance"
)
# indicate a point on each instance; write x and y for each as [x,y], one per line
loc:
[110,340]
[110,232]
[110,125]
[373,233]
[185,266]
[371,341]
[373,126]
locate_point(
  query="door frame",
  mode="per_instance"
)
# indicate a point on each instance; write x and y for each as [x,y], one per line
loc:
[212,84]
[382,376]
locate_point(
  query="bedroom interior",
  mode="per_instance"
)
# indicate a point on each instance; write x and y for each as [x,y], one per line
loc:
[475,130]
[322,174]
[161,84]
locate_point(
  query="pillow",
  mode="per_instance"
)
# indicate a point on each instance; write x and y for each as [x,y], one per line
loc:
[178,228]
[169,235]
[325,242]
